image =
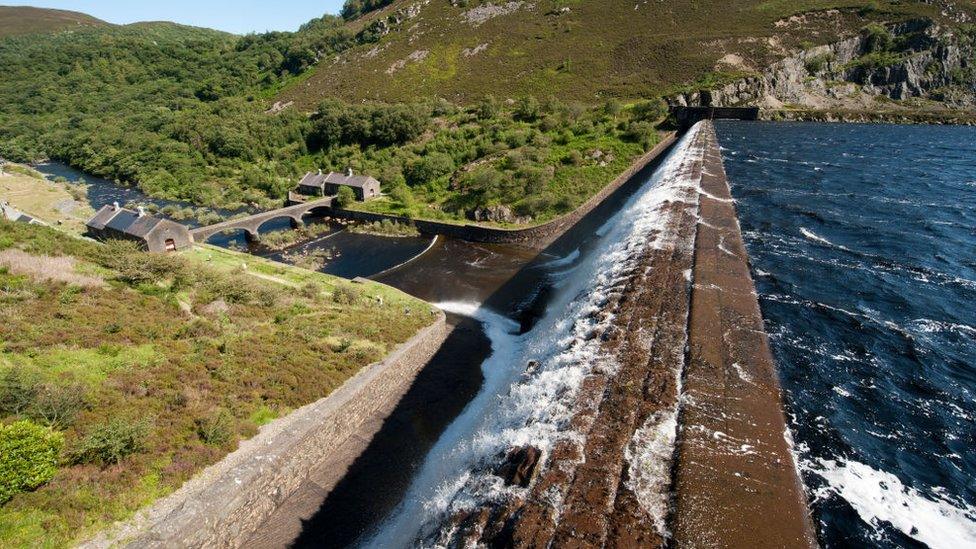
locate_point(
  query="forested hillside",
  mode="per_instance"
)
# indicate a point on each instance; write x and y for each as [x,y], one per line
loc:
[523,108]
[181,112]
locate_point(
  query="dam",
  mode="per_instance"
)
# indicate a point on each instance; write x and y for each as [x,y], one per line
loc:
[571,437]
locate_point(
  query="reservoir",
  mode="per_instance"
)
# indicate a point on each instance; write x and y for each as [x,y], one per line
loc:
[862,241]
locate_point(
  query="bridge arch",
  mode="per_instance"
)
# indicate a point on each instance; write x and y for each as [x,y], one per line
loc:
[317,211]
[279,222]
[228,233]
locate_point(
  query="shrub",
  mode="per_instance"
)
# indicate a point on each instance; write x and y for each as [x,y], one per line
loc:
[877,39]
[58,405]
[527,109]
[137,267]
[650,111]
[487,108]
[217,428]
[345,197]
[429,168]
[818,63]
[641,132]
[28,457]
[345,295]
[111,442]
[18,389]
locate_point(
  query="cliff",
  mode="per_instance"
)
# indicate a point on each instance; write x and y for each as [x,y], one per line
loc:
[911,69]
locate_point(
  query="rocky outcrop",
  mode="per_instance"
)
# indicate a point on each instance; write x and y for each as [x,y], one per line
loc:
[497,214]
[926,61]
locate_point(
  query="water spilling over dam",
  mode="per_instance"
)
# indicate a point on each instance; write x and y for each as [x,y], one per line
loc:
[542,390]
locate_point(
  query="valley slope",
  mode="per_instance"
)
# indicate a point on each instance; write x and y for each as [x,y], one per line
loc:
[16,20]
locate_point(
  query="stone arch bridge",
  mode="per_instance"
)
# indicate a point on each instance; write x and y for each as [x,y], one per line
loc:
[252,223]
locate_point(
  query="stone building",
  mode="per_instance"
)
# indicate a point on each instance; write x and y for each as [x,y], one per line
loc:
[319,184]
[153,233]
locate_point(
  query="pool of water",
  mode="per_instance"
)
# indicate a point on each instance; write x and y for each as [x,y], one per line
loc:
[863,247]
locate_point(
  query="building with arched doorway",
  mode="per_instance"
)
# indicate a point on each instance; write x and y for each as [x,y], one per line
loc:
[153,233]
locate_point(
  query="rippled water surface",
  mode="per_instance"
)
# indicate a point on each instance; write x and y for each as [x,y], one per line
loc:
[863,247]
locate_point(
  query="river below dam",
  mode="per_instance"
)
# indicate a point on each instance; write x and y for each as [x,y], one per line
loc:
[862,241]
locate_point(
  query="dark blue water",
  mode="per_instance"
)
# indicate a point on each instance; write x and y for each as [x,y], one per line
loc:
[863,248]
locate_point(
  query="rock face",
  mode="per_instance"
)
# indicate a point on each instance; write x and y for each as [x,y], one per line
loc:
[497,214]
[931,62]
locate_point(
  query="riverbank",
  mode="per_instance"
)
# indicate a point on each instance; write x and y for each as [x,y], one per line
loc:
[860,116]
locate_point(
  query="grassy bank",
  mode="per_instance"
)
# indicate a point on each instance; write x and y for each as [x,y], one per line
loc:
[29,192]
[124,373]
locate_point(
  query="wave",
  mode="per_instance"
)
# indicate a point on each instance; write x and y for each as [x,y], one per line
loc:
[810,235]
[518,407]
[881,499]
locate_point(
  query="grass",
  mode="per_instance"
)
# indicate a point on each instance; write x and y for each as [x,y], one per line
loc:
[30,193]
[592,52]
[158,350]
[44,268]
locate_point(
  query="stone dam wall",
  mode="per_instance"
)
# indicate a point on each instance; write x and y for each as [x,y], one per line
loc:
[225,503]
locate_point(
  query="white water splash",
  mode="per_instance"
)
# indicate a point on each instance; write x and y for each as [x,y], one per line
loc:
[810,235]
[516,409]
[880,498]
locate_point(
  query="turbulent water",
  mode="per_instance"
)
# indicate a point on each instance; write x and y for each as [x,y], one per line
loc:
[863,246]
[515,408]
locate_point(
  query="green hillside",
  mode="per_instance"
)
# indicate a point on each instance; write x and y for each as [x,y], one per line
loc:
[124,373]
[577,49]
[17,20]
[456,106]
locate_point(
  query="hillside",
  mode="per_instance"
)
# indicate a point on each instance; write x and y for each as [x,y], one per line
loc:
[123,373]
[509,112]
[17,20]
[582,50]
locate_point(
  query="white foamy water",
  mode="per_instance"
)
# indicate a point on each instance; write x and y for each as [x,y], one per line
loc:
[880,498]
[515,409]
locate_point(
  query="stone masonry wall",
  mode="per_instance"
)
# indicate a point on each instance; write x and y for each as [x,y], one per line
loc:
[221,506]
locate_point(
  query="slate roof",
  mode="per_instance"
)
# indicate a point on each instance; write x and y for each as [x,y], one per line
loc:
[121,220]
[124,221]
[319,180]
[103,216]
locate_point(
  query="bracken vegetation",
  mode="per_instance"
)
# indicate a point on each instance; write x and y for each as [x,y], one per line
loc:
[112,395]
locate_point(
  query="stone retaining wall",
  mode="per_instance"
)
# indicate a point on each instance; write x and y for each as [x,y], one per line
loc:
[538,236]
[225,503]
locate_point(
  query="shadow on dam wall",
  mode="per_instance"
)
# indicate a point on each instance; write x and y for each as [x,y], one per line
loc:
[379,477]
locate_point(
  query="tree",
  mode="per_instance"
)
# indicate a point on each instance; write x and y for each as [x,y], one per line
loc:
[527,109]
[345,197]
[429,168]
